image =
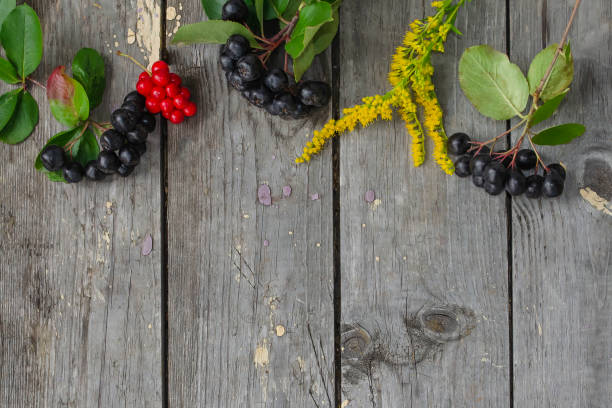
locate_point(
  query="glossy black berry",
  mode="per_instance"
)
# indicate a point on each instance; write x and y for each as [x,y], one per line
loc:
[134,96]
[133,107]
[534,186]
[237,46]
[137,135]
[249,68]
[237,82]
[273,109]
[260,96]
[526,159]
[516,184]
[458,143]
[141,148]
[301,110]
[124,120]
[462,166]
[227,62]
[495,173]
[111,140]
[92,171]
[493,189]
[553,185]
[314,93]
[124,170]
[558,168]
[148,122]
[284,103]
[73,172]
[129,156]
[478,181]
[108,162]
[276,80]
[53,158]
[478,163]
[235,10]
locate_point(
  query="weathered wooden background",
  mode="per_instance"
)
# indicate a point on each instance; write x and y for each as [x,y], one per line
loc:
[436,295]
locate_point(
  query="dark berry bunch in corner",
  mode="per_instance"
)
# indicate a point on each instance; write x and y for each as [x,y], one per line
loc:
[496,172]
[267,88]
[164,93]
[122,146]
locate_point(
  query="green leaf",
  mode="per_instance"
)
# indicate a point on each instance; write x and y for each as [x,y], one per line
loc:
[88,148]
[259,11]
[88,69]
[7,72]
[325,36]
[23,122]
[292,8]
[22,39]
[274,8]
[312,18]
[213,31]
[303,62]
[213,8]
[494,85]
[60,139]
[8,103]
[6,6]
[67,98]
[562,74]
[547,109]
[558,135]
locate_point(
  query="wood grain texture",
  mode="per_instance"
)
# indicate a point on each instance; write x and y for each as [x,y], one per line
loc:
[424,273]
[228,291]
[563,247]
[79,306]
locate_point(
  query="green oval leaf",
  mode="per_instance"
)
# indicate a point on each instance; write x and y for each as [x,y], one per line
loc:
[211,32]
[547,109]
[213,8]
[7,72]
[311,19]
[60,139]
[274,8]
[8,103]
[88,148]
[6,6]
[22,39]
[494,85]
[23,122]
[558,135]
[88,69]
[67,98]
[325,36]
[303,62]
[562,74]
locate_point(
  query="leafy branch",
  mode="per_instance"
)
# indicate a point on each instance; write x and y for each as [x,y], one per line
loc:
[498,89]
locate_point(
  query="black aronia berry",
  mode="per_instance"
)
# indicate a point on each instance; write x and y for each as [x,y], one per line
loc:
[501,171]
[265,86]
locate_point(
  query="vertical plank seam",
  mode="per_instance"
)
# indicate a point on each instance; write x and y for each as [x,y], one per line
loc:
[509,238]
[163,154]
[335,50]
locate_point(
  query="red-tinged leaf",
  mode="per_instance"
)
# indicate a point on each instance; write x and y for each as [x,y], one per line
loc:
[67,98]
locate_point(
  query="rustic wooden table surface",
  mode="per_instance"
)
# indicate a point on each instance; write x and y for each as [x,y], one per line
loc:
[435,296]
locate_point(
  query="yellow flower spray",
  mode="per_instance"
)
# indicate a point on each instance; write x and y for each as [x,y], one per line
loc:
[411,78]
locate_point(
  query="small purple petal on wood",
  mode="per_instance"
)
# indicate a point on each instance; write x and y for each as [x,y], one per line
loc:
[263,194]
[266,242]
[147,245]
[370,196]
[315,196]
[287,191]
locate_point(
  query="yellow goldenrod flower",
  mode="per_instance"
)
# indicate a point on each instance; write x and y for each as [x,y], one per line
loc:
[410,75]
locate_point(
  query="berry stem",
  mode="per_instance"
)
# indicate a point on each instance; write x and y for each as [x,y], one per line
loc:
[71,144]
[135,61]
[480,145]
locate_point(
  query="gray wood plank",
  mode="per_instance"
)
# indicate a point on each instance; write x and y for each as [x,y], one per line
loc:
[228,291]
[563,247]
[79,306]
[424,272]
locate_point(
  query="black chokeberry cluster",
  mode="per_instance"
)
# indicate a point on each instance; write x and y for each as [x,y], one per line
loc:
[122,146]
[270,89]
[496,174]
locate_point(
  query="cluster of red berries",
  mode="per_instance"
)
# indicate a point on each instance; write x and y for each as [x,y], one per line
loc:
[164,93]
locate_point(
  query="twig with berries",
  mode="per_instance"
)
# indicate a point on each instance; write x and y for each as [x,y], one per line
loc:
[497,171]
